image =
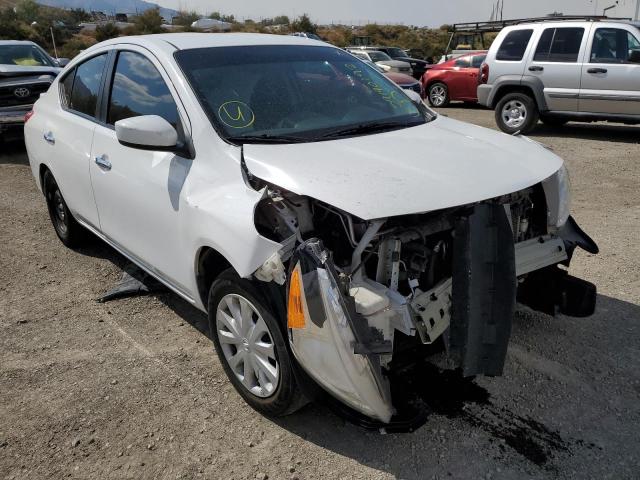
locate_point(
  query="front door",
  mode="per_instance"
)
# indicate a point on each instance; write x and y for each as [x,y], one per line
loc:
[610,82]
[557,62]
[462,79]
[139,192]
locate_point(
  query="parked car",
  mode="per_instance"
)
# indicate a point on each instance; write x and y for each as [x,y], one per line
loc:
[382,60]
[455,80]
[418,67]
[558,71]
[26,71]
[404,81]
[310,35]
[324,221]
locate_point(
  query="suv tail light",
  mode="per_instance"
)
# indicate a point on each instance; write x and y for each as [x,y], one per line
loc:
[484,73]
[28,115]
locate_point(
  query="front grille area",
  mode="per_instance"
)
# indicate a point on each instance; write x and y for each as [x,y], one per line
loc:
[413,86]
[10,94]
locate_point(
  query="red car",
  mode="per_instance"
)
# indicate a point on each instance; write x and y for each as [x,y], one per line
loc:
[456,79]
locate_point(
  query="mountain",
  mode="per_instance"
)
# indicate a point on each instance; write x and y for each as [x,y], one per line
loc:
[110,7]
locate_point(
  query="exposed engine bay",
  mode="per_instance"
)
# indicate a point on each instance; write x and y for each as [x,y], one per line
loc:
[360,291]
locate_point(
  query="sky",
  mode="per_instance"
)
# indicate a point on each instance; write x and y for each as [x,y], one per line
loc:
[430,13]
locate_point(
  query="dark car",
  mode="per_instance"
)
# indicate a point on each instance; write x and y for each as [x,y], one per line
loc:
[418,66]
[26,71]
[456,79]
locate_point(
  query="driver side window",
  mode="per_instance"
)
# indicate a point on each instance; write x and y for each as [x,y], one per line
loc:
[139,89]
[613,45]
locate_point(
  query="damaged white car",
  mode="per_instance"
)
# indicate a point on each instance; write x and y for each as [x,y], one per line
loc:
[325,221]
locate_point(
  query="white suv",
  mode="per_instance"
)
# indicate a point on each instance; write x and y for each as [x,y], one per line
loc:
[563,70]
[329,225]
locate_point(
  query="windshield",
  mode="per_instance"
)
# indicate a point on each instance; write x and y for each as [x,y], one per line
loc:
[376,56]
[294,93]
[396,53]
[24,55]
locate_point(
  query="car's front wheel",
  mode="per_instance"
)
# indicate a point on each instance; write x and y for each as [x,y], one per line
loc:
[251,346]
[516,112]
[438,95]
[69,231]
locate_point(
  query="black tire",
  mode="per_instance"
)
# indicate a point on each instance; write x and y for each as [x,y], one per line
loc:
[438,95]
[286,397]
[553,121]
[528,113]
[69,231]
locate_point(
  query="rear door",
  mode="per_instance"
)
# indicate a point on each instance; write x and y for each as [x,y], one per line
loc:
[557,62]
[67,135]
[610,81]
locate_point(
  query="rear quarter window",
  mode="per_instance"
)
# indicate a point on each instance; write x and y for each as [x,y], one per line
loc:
[514,45]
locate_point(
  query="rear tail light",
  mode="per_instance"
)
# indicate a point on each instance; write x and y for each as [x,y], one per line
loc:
[28,115]
[484,73]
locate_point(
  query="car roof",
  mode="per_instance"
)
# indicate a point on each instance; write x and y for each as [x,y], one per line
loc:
[184,41]
[17,42]
[555,23]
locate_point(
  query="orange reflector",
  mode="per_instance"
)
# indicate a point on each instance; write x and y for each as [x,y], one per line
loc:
[295,310]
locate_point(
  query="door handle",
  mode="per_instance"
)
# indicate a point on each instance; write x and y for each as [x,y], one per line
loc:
[597,70]
[49,138]
[536,68]
[103,162]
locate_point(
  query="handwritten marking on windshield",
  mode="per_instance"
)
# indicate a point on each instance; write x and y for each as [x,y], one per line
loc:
[236,114]
[390,96]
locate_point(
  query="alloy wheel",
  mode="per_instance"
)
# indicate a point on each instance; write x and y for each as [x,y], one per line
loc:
[247,345]
[437,95]
[514,114]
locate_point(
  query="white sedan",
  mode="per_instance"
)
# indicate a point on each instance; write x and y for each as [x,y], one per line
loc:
[332,227]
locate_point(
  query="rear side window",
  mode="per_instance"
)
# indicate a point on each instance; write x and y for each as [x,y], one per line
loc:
[86,84]
[559,45]
[613,45]
[463,62]
[139,89]
[477,61]
[514,45]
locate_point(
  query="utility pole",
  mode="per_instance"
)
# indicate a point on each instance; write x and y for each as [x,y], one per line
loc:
[53,40]
[635,17]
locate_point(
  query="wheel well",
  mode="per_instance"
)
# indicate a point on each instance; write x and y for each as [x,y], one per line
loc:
[41,172]
[209,264]
[504,90]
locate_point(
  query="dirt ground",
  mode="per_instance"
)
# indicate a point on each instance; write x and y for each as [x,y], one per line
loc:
[133,389]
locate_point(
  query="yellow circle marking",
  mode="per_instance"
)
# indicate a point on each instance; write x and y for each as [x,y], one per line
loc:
[236,114]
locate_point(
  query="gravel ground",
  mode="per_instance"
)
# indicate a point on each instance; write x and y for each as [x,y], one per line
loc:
[132,388]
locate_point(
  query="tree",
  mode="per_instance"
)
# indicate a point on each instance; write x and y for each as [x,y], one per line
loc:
[106,31]
[150,21]
[28,11]
[281,20]
[304,24]
[215,16]
[185,18]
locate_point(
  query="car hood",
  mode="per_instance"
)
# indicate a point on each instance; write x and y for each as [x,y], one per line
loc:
[400,78]
[443,163]
[20,70]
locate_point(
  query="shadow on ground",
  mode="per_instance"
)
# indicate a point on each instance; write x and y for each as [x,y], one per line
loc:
[586,131]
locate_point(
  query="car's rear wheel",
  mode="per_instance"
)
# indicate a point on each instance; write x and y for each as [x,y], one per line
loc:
[516,112]
[69,231]
[251,346]
[438,95]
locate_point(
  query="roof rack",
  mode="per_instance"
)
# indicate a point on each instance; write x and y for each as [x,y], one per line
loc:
[497,25]
[474,29]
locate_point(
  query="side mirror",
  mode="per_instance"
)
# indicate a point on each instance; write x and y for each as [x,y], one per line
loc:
[148,132]
[414,96]
[634,56]
[62,62]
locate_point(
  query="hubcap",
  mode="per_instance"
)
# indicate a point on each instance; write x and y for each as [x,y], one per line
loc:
[247,345]
[514,113]
[437,95]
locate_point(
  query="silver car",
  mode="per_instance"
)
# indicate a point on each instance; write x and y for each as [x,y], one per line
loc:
[558,71]
[383,60]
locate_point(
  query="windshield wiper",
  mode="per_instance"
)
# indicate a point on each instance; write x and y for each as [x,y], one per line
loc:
[370,127]
[267,138]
